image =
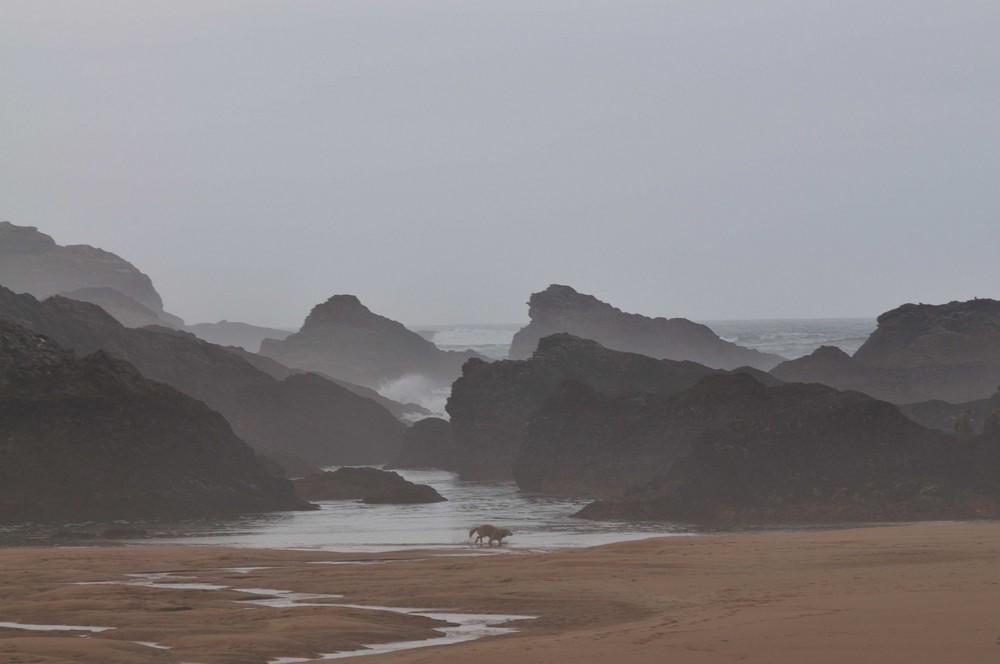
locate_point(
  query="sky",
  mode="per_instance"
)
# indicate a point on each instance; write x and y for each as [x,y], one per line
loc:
[443,160]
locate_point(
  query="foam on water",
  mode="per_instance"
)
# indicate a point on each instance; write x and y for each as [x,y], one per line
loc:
[418,389]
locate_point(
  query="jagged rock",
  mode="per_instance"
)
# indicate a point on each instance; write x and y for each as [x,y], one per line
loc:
[369,485]
[562,309]
[429,443]
[341,338]
[32,262]
[92,439]
[919,352]
[124,309]
[490,404]
[304,414]
[243,335]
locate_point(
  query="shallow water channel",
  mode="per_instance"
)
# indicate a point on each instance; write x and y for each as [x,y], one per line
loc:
[538,522]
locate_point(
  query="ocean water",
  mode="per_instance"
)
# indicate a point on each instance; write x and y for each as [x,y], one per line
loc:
[789,337]
[794,338]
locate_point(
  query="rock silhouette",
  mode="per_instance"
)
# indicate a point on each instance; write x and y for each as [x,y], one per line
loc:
[491,403]
[92,439]
[304,414]
[919,352]
[562,309]
[343,339]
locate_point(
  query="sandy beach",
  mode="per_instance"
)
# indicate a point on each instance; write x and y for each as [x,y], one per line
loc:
[919,593]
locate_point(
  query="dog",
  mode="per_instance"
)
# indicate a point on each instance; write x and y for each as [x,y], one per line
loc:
[490,533]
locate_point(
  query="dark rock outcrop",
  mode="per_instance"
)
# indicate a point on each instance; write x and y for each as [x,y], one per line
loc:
[343,339]
[124,309]
[581,442]
[562,309]
[491,403]
[92,439]
[919,352]
[228,333]
[429,443]
[32,262]
[943,416]
[861,461]
[369,485]
[304,414]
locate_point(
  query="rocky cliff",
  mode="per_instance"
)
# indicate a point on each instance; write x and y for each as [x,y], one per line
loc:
[305,415]
[562,309]
[919,352]
[32,262]
[811,454]
[343,339]
[92,439]
[491,403]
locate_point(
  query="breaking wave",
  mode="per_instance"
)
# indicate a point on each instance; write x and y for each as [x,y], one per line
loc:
[418,389]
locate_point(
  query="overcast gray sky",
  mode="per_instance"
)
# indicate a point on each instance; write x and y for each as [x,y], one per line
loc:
[443,160]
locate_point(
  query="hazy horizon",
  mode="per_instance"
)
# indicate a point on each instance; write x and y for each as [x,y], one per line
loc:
[443,160]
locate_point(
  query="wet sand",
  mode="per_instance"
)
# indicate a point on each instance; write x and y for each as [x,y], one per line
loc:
[922,593]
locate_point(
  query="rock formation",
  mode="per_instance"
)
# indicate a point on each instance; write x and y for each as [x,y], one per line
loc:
[32,262]
[807,454]
[243,335]
[369,485]
[491,403]
[919,352]
[562,309]
[341,338]
[429,443]
[304,414]
[92,439]
[124,309]
[582,442]
[405,412]
[941,415]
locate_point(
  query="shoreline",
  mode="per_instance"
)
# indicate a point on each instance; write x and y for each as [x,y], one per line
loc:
[920,592]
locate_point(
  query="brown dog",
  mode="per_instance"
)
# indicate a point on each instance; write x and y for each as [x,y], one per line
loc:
[491,533]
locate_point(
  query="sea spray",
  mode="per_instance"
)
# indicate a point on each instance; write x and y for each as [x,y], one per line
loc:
[418,389]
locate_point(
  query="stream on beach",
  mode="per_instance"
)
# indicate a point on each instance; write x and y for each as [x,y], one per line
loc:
[539,523]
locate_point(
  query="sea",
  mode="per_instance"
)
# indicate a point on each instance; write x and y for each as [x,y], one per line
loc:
[539,522]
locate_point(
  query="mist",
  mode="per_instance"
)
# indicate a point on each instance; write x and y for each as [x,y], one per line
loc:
[443,160]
